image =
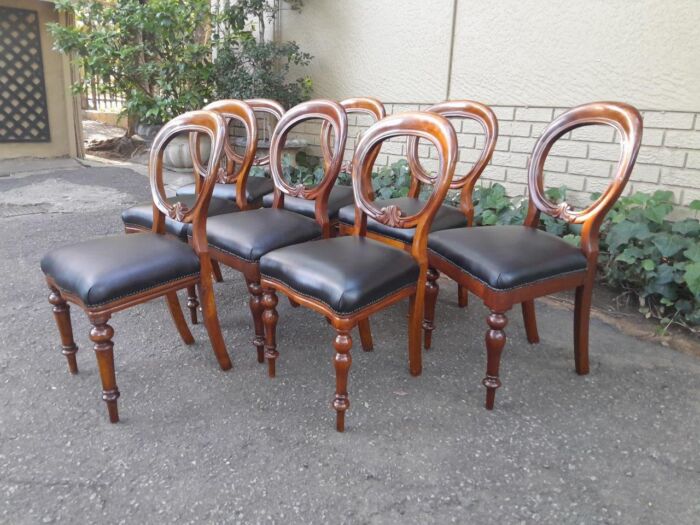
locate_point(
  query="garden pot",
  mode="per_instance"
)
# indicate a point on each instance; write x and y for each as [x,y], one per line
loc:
[177,155]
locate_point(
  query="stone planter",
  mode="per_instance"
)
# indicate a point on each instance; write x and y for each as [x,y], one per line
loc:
[177,154]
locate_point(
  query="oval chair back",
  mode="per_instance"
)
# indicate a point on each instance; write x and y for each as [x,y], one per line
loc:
[462,109]
[214,126]
[334,116]
[419,125]
[628,122]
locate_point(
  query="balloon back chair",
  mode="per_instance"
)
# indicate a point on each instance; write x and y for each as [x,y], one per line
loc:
[349,278]
[507,265]
[240,239]
[447,216]
[339,196]
[106,275]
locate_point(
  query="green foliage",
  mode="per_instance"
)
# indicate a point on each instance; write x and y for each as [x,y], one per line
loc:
[156,53]
[250,67]
[655,258]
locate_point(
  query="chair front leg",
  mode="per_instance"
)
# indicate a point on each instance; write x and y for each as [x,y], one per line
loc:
[179,318]
[256,309]
[495,341]
[61,313]
[530,320]
[341,362]
[192,303]
[101,334]
[270,320]
[416,307]
[432,289]
[582,319]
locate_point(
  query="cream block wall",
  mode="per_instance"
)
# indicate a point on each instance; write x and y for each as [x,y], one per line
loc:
[529,60]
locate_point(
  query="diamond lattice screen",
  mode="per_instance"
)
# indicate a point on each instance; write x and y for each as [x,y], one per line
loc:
[23,112]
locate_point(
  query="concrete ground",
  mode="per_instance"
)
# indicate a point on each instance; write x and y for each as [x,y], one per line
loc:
[199,445]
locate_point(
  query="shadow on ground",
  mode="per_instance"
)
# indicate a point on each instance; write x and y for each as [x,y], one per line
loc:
[200,445]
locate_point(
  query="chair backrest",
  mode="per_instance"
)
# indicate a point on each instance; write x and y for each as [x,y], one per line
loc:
[212,124]
[359,105]
[462,109]
[628,122]
[236,167]
[333,114]
[429,126]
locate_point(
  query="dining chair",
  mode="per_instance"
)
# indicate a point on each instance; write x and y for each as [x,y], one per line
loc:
[109,274]
[250,192]
[507,265]
[240,239]
[447,216]
[339,196]
[349,278]
[231,183]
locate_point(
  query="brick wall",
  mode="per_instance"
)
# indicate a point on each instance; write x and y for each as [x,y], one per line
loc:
[583,160]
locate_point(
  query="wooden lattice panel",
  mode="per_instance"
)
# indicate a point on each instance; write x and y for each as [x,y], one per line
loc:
[23,111]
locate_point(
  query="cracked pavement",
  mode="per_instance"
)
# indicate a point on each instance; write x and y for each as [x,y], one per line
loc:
[199,445]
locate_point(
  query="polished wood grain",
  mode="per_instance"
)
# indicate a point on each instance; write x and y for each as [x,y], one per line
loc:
[102,334]
[628,123]
[437,130]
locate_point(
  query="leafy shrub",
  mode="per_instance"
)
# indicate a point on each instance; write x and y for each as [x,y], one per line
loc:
[654,258]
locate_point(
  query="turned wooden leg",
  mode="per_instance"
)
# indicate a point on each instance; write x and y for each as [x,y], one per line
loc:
[270,320]
[293,303]
[216,271]
[495,341]
[61,313]
[582,318]
[366,335]
[462,296]
[192,303]
[101,334]
[342,362]
[211,318]
[416,306]
[257,308]
[530,321]
[179,318]
[432,288]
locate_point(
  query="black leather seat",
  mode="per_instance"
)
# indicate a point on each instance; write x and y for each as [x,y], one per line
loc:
[447,217]
[256,187]
[103,270]
[505,257]
[340,196]
[251,234]
[142,214]
[345,273]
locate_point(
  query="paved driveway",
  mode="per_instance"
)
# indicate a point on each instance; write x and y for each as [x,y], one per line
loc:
[199,445]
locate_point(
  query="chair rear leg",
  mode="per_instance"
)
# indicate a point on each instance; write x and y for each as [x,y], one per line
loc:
[341,362]
[530,320]
[582,318]
[192,303]
[495,341]
[257,309]
[61,313]
[101,334]
[270,320]
[432,289]
[462,296]
[211,318]
[179,318]
[366,335]
[216,271]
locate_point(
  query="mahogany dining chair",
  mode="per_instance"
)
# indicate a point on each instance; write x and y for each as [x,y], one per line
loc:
[508,265]
[447,216]
[109,274]
[349,278]
[339,196]
[240,239]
